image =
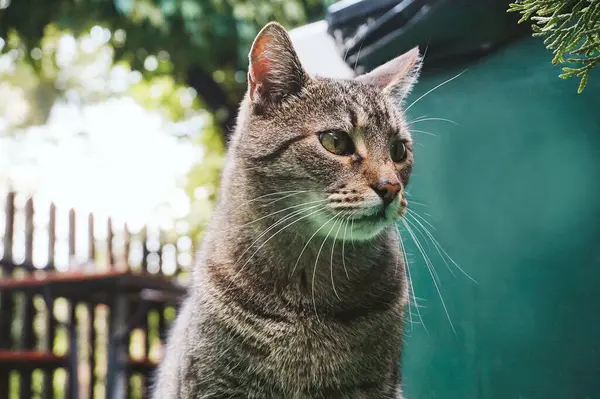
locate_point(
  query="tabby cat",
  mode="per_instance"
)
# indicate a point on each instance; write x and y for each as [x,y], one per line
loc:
[300,288]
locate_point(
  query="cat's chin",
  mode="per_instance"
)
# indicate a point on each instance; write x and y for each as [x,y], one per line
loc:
[364,230]
[357,229]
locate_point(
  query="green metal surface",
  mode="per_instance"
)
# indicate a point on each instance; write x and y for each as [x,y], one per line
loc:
[514,195]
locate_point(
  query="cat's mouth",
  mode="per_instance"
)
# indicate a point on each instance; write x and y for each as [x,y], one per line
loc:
[372,218]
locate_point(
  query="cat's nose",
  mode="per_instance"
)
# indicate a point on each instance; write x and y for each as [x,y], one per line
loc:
[388,191]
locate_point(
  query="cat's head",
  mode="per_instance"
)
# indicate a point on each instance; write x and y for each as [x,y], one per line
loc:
[339,150]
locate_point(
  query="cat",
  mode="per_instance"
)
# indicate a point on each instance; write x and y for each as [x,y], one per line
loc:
[300,287]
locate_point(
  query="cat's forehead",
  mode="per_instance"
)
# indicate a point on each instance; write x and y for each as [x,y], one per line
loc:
[365,107]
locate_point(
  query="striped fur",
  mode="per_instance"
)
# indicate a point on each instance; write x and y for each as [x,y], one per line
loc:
[312,308]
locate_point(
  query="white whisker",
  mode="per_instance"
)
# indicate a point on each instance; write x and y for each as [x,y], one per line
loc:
[424,253]
[270,195]
[410,282]
[283,210]
[421,217]
[317,261]
[331,259]
[424,132]
[416,227]
[433,119]
[277,232]
[428,263]
[440,248]
[284,197]
[308,242]
[344,248]
[435,88]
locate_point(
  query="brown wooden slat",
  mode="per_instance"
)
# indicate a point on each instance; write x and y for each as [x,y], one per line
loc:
[93,343]
[50,331]
[9,227]
[127,348]
[94,286]
[73,322]
[30,360]
[87,278]
[27,337]
[72,241]
[91,239]
[6,300]
[29,231]
[73,304]
[127,247]
[51,238]
[47,387]
[145,251]
[109,243]
[141,365]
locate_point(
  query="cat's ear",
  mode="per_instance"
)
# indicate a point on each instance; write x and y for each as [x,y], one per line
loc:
[396,77]
[275,70]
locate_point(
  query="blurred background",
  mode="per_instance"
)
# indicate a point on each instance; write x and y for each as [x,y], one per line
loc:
[114,119]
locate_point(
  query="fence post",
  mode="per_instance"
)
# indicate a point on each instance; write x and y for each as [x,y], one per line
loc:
[6,300]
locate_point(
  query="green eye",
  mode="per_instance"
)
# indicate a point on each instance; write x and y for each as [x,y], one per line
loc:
[338,143]
[398,151]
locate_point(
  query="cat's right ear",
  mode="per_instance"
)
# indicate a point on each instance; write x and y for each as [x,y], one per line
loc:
[275,70]
[396,77]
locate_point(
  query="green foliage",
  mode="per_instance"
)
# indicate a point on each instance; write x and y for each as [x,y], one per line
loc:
[39,81]
[571,29]
[214,34]
[180,53]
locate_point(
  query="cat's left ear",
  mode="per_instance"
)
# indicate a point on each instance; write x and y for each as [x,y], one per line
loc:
[275,70]
[396,77]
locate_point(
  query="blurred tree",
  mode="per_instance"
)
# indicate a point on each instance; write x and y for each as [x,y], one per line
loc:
[204,41]
[571,29]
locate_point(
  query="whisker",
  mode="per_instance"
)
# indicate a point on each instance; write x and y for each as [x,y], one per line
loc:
[284,197]
[437,288]
[282,210]
[419,117]
[421,217]
[410,315]
[416,227]
[331,259]
[433,119]
[344,248]
[344,242]
[308,242]
[440,248]
[317,261]
[273,235]
[424,132]
[282,220]
[422,250]
[410,282]
[358,54]
[435,88]
[421,233]
[352,229]
[408,195]
[270,195]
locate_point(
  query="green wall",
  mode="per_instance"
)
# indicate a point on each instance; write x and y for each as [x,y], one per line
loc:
[514,195]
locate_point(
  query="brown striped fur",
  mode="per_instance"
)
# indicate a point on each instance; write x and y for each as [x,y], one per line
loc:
[314,308]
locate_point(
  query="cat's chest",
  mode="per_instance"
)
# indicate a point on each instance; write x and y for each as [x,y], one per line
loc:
[312,353]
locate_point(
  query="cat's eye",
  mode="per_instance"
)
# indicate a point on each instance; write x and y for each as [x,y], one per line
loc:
[338,143]
[398,151]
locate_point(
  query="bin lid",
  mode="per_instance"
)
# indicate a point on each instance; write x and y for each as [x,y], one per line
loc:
[368,33]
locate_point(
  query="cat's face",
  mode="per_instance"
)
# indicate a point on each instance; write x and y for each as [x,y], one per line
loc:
[339,150]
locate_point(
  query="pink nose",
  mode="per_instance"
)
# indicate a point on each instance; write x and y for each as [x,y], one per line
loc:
[387,191]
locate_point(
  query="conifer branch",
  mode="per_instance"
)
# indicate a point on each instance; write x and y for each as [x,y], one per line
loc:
[571,29]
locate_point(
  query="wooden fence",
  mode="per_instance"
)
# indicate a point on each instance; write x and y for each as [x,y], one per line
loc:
[84,307]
